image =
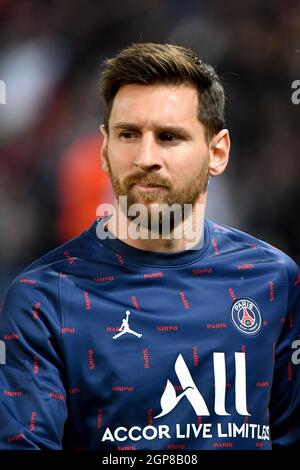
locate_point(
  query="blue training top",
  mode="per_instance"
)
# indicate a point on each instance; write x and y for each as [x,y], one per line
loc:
[113,347]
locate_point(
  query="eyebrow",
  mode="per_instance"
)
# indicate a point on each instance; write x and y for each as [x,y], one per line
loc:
[133,127]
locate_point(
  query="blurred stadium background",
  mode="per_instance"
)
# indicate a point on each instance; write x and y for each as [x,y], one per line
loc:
[50,56]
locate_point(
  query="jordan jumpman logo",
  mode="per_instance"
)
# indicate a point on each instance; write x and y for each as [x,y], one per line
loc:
[124,328]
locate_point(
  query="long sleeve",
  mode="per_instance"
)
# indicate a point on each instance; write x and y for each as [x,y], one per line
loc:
[32,391]
[285,396]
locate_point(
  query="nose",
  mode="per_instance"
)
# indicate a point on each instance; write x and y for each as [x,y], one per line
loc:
[148,154]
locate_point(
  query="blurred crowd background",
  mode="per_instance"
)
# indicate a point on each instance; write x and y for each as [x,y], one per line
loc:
[50,57]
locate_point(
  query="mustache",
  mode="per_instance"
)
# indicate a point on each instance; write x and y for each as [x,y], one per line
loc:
[146,179]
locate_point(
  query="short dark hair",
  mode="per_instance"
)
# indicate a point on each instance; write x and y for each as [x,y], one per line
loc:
[152,63]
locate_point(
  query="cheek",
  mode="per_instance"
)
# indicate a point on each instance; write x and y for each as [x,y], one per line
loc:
[187,166]
[117,159]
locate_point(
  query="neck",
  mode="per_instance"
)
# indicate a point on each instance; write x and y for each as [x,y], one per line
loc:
[186,234]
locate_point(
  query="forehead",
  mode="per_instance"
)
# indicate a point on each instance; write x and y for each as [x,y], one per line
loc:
[159,104]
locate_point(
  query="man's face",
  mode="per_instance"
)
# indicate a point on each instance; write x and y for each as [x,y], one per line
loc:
[156,150]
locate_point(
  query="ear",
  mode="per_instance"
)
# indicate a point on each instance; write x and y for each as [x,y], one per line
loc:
[103,151]
[219,148]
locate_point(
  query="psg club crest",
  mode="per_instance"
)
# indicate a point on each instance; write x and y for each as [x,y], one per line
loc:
[246,316]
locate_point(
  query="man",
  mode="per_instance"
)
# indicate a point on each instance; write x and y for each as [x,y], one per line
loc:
[206,355]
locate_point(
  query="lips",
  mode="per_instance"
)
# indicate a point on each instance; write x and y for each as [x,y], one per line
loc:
[145,187]
[149,185]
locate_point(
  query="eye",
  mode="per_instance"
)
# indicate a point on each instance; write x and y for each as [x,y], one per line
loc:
[166,137]
[126,134]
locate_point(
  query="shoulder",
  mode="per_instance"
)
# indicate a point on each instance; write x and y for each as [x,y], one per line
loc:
[42,276]
[247,246]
